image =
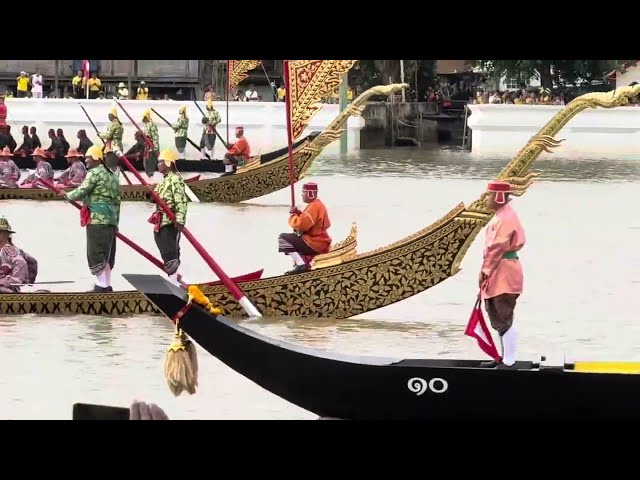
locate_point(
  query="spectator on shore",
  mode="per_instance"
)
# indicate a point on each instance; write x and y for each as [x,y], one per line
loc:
[78,85]
[123,92]
[209,94]
[100,96]
[250,94]
[36,85]
[143,91]
[281,93]
[22,84]
[8,94]
[94,85]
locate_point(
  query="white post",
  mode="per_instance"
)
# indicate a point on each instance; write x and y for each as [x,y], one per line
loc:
[402,78]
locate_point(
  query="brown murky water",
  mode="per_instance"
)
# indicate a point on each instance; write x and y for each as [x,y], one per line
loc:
[581,262]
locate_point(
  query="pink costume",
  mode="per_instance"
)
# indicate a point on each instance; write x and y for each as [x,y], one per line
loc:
[43,170]
[504,236]
[75,174]
[9,171]
[13,269]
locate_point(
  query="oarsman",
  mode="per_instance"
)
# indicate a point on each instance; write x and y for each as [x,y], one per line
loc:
[210,121]
[137,150]
[100,193]
[35,140]
[76,173]
[310,237]
[237,154]
[14,270]
[181,129]
[63,141]
[166,232]
[84,144]
[55,149]
[113,139]
[27,144]
[11,142]
[151,153]
[9,171]
[501,278]
[43,170]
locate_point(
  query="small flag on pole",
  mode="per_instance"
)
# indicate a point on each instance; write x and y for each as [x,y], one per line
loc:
[85,75]
[477,328]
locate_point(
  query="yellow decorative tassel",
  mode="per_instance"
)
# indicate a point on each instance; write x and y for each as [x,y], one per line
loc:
[181,365]
[201,299]
[181,358]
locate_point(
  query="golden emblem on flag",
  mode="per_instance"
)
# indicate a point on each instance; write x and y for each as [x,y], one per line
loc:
[308,82]
[238,70]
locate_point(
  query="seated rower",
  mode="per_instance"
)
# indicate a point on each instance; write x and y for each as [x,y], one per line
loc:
[136,152]
[76,173]
[237,153]
[14,270]
[9,171]
[310,237]
[43,170]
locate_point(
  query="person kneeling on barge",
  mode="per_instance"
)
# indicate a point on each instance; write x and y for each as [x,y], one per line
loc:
[43,170]
[14,269]
[100,193]
[501,277]
[9,171]
[310,237]
[76,173]
[166,232]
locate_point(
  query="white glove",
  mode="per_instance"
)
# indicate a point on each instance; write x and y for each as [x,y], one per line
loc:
[118,153]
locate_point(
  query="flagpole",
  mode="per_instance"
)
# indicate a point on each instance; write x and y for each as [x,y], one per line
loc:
[228,94]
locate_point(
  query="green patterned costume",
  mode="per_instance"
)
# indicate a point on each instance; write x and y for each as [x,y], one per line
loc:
[151,160]
[167,236]
[113,136]
[100,193]
[181,128]
[208,140]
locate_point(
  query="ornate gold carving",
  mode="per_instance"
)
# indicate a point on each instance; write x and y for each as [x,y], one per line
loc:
[340,252]
[309,81]
[238,71]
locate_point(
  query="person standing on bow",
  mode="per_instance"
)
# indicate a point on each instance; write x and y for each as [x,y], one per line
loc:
[501,277]
[76,173]
[181,128]
[152,145]
[100,193]
[113,139]
[166,233]
[14,270]
[210,121]
[310,237]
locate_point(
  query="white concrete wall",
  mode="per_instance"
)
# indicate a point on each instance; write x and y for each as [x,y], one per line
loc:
[594,133]
[630,76]
[264,122]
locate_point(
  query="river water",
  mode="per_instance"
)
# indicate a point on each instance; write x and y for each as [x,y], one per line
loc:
[581,299]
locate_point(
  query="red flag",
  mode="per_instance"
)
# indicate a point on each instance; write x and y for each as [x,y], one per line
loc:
[85,69]
[477,328]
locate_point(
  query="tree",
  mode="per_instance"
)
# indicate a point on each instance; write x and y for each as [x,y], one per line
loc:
[552,72]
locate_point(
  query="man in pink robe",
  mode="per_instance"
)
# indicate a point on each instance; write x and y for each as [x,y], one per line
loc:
[9,171]
[14,270]
[501,278]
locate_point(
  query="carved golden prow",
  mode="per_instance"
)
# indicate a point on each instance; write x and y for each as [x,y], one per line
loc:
[517,171]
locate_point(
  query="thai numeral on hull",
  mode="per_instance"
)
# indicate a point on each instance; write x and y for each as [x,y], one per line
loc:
[419,385]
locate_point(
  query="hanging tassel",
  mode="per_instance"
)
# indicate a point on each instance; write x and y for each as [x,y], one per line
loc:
[181,358]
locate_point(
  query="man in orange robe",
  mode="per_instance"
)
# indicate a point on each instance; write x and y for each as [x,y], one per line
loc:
[501,278]
[237,154]
[310,237]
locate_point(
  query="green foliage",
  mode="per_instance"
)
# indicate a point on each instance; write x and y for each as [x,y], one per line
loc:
[552,73]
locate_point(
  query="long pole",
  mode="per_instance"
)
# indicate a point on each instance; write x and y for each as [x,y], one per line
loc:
[402,78]
[344,90]
[287,82]
[238,294]
[228,87]
[273,93]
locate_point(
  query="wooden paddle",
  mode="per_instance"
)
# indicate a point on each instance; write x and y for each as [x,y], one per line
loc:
[192,196]
[193,144]
[238,294]
[226,145]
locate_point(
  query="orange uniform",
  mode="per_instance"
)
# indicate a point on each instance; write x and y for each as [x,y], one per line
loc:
[313,223]
[240,148]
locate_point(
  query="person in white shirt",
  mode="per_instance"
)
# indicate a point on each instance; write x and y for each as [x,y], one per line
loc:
[36,85]
[251,94]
